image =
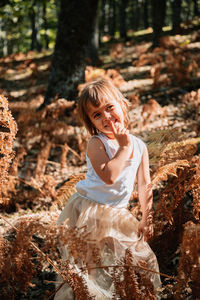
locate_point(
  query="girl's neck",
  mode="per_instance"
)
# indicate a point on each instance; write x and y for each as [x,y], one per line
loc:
[109,136]
[112,138]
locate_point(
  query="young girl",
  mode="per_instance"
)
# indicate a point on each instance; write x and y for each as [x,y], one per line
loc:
[114,159]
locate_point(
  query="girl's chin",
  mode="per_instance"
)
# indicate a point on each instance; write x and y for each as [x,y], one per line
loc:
[109,134]
[107,130]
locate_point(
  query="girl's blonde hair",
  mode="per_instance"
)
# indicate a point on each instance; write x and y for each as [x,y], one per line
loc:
[94,92]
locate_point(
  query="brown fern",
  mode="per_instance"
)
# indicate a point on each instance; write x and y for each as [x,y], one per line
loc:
[194,186]
[8,130]
[189,265]
[130,281]
[174,193]
[179,150]
[157,142]
[63,158]
[169,170]
[76,281]
[67,190]
[42,159]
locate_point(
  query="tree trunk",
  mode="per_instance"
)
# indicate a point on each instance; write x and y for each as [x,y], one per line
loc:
[3,37]
[176,16]
[196,9]
[138,14]
[123,28]
[188,15]
[38,26]
[33,27]
[45,24]
[93,57]
[135,11]
[146,14]
[75,33]
[103,22]
[158,19]
[57,4]
[112,18]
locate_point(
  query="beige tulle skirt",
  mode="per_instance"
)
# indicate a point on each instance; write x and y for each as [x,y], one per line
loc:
[114,230]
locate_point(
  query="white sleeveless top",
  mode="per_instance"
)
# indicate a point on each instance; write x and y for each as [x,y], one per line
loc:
[117,194]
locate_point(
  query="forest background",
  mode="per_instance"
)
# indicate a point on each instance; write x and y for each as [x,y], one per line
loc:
[48,50]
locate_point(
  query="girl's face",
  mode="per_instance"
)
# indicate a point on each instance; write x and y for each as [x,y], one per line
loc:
[107,111]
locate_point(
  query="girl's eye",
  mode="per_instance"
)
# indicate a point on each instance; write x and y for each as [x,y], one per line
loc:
[96,115]
[110,107]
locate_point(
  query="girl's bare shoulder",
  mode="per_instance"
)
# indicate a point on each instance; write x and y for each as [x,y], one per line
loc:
[94,146]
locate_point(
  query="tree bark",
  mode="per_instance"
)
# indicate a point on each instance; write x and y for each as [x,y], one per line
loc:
[103,25]
[188,16]
[33,26]
[158,19]
[93,57]
[176,16]
[76,26]
[135,12]
[45,24]
[112,18]
[146,14]
[138,14]
[3,37]
[123,28]
[196,8]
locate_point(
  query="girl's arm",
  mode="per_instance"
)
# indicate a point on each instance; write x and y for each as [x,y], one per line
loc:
[109,169]
[145,197]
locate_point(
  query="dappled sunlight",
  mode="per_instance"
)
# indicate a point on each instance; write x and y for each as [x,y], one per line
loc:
[12,75]
[194,46]
[131,85]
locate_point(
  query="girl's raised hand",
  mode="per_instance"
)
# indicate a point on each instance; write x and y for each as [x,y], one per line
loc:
[121,134]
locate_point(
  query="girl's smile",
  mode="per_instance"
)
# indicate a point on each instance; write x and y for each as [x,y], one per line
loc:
[101,116]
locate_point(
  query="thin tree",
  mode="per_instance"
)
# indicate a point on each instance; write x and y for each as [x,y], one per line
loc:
[122,15]
[45,24]
[32,15]
[112,18]
[146,14]
[196,8]
[176,16]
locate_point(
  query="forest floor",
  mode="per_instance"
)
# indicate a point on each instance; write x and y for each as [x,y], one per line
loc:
[163,88]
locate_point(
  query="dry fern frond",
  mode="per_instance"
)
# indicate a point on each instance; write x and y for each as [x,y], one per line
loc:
[131,282]
[169,170]
[5,265]
[18,269]
[170,207]
[57,109]
[194,186]
[8,130]
[18,160]
[76,281]
[189,265]
[156,142]
[179,150]
[45,184]
[196,196]
[63,157]
[192,99]
[177,197]
[68,189]
[42,159]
